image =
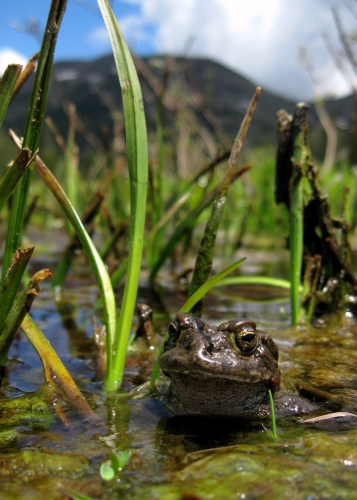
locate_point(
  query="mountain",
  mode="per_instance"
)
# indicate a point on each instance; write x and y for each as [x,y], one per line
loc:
[211,93]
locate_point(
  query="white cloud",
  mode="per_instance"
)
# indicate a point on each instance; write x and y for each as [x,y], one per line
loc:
[99,37]
[259,38]
[133,28]
[10,56]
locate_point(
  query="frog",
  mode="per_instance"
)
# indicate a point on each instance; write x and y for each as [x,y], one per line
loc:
[224,371]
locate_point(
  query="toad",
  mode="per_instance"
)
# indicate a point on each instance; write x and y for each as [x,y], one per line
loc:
[224,371]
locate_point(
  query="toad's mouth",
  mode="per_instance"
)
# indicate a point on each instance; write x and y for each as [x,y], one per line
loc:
[214,396]
[253,377]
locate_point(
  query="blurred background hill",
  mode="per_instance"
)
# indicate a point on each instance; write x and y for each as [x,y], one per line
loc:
[214,95]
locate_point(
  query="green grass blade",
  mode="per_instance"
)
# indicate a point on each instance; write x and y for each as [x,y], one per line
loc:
[168,215]
[255,280]
[204,257]
[137,154]
[296,248]
[272,413]
[18,311]
[155,237]
[296,210]
[7,85]
[100,271]
[201,292]
[71,173]
[13,175]
[186,225]
[55,371]
[33,127]
[10,284]
[68,254]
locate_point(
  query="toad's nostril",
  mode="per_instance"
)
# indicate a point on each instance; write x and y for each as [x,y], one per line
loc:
[189,344]
[210,347]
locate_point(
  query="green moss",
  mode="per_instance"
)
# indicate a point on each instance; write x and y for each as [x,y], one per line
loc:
[34,409]
[30,465]
[8,438]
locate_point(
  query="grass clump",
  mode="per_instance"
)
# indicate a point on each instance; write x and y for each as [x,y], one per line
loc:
[117,330]
[181,199]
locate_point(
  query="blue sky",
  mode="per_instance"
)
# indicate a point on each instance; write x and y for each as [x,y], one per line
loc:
[82,33]
[257,38]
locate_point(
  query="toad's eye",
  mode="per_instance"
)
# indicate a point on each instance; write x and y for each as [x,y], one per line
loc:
[174,331]
[246,339]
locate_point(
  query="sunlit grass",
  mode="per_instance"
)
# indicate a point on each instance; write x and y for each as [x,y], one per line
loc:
[7,85]
[137,156]
[179,204]
[272,414]
[33,128]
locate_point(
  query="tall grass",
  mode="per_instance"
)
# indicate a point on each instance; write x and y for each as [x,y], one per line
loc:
[296,227]
[180,198]
[103,280]
[7,85]
[33,127]
[137,155]
[204,257]
[117,332]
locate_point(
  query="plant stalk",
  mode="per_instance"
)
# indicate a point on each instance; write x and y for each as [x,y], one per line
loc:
[7,85]
[137,155]
[33,127]
[204,257]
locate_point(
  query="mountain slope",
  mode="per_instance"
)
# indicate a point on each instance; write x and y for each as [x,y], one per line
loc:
[216,95]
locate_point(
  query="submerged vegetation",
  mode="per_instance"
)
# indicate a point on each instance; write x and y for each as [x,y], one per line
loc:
[156,197]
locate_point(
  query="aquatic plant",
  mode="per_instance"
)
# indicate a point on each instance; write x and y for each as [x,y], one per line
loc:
[173,214]
[11,280]
[137,155]
[162,242]
[293,156]
[272,414]
[55,372]
[114,466]
[204,256]
[319,243]
[105,288]
[117,330]
[7,85]
[33,128]
[13,305]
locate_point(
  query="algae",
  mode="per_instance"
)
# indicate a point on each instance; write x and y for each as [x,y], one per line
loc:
[43,456]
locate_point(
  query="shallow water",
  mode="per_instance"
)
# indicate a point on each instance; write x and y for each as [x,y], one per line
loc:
[45,450]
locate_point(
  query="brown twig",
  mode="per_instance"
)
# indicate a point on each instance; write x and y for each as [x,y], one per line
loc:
[203,263]
[345,265]
[25,74]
